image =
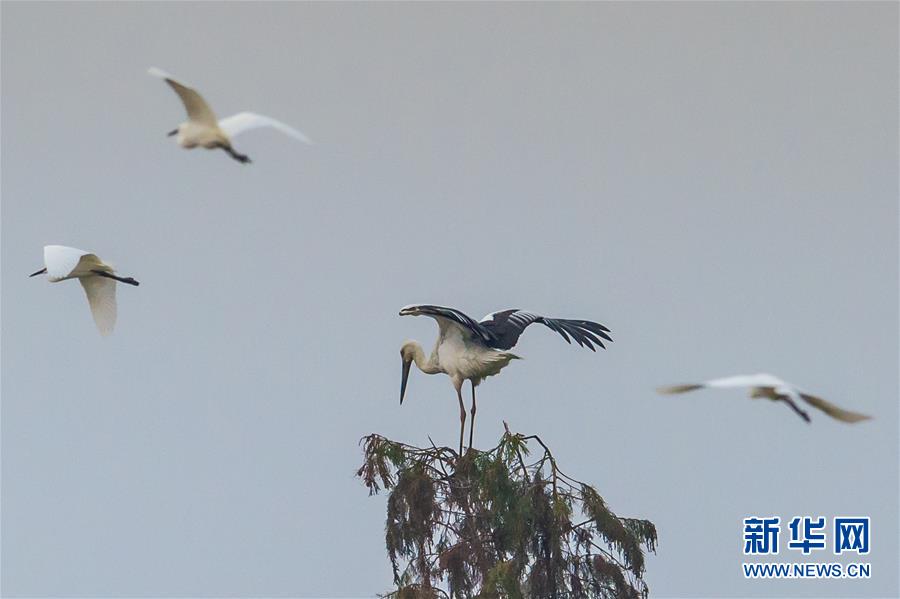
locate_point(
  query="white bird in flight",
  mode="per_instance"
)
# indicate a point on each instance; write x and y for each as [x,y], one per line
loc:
[97,278]
[467,350]
[772,387]
[203,129]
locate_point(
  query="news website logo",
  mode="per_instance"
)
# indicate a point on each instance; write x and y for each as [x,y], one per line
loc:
[806,535]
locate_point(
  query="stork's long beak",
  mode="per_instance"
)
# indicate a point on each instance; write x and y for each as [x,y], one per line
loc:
[406,366]
[172,132]
[40,272]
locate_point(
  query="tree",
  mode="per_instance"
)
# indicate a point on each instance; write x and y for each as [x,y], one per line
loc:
[498,524]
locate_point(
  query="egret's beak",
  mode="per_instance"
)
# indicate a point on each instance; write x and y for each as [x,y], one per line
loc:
[172,132]
[40,272]
[406,365]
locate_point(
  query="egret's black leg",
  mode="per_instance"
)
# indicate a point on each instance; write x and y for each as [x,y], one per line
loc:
[109,275]
[242,158]
[796,408]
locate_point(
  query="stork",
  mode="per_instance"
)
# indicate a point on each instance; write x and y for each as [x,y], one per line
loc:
[202,128]
[771,387]
[470,350]
[97,278]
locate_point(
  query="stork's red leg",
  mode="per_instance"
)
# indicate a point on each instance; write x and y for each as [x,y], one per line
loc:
[472,424]
[462,418]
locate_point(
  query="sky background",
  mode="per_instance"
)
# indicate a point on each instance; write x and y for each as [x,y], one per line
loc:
[716,182]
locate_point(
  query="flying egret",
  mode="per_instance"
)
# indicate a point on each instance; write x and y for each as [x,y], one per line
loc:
[97,278]
[467,350]
[203,129]
[772,387]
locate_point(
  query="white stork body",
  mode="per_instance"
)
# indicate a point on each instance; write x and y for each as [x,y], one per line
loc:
[467,350]
[771,387]
[98,279]
[204,130]
[457,357]
[461,359]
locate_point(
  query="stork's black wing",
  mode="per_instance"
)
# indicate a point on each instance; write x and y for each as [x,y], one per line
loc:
[453,315]
[505,328]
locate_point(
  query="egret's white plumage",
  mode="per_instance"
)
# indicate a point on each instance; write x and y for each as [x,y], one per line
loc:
[96,277]
[204,129]
[245,121]
[772,387]
[101,294]
[467,350]
[61,261]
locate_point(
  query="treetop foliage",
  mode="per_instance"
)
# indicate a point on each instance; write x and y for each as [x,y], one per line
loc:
[500,523]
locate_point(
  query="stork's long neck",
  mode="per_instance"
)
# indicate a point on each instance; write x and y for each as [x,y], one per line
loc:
[426,365]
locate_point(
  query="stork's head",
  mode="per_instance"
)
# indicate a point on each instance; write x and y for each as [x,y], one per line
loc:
[409,311]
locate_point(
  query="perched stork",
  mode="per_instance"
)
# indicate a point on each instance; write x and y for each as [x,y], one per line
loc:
[772,387]
[468,350]
[203,129]
[97,278]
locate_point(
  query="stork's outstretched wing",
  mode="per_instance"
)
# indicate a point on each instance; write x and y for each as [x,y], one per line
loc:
[506,327]
[501,330]
[451,316]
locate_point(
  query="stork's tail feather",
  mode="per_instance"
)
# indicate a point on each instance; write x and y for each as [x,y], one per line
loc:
[497,362]
[672,389]
[504,358]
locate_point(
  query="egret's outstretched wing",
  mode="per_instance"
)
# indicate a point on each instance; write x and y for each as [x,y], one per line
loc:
[197,108]
[61,260]
[728,382]
[91,263]
[673,389]
[450,316]
[506,327]
[774,388]
[747,380]
[101,294]
[244,121]
[832,410]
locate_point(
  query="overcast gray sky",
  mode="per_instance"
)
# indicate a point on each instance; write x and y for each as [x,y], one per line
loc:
[716,182]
